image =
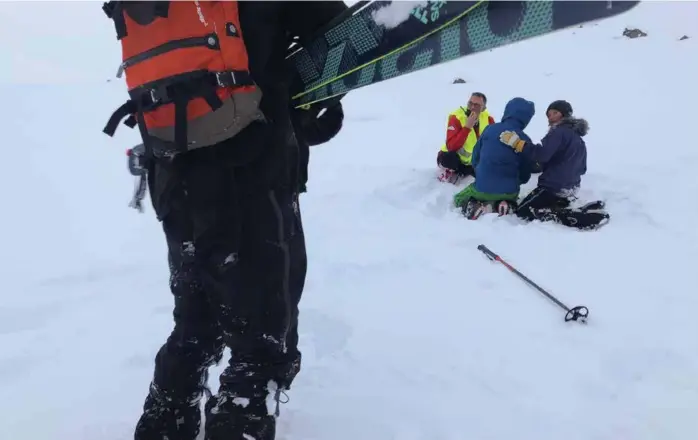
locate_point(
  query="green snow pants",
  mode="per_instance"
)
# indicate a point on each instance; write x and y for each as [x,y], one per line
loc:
[469,192]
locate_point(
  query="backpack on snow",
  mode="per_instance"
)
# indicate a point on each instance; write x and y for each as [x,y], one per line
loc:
[187,73]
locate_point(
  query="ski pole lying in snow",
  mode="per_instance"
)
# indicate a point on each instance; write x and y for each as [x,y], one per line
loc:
[579,313]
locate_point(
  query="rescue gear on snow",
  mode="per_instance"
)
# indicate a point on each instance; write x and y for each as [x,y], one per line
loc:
[578,313]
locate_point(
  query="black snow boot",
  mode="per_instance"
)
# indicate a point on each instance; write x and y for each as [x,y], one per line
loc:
[167,419]
[243,415]
[596,205]
[587,220]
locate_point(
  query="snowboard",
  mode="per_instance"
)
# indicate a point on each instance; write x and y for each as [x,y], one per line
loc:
[357,51]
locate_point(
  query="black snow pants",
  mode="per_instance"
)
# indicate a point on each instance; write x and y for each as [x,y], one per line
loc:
[237,263]
[450,160]
[546,206]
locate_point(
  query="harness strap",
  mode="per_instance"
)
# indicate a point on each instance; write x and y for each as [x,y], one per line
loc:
[178,91]
[162,9]
[180,120]
[115,10]
[126,109]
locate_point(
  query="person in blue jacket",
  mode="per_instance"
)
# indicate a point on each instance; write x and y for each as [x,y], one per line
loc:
[562,155]
[499,169]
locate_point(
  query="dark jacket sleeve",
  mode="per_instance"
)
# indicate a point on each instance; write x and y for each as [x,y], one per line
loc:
[547,148]
[305,18]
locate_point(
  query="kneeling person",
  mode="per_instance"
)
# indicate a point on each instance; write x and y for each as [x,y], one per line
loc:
[499,170]
[562,155]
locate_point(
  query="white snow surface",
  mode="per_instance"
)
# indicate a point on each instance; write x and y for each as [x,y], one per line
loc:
[407,331]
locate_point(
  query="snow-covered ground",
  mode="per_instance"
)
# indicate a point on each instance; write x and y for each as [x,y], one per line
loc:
[408,332]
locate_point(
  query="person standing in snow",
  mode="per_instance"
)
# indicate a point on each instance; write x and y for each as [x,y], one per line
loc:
[465,126]
[562,156]
[228,208]
[499,170]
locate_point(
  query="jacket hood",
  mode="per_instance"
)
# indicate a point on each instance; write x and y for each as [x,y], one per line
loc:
[578,125]
[520,110]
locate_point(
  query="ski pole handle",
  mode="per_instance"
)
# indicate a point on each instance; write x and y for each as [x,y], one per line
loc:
[491,255]
[494,257]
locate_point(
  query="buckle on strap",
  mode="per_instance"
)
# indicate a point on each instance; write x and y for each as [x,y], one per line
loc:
[233,78]
[223,78]
[158,95]
[165,94]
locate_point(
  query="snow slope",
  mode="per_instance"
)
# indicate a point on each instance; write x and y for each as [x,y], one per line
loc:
[407,331]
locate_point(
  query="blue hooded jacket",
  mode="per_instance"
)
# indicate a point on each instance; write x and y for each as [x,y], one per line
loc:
[498,168]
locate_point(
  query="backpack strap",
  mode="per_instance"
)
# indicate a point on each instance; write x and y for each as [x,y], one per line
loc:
[115,10]
[162,9]
[179,91]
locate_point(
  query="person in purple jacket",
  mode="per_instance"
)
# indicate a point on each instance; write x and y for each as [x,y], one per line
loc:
[562,157]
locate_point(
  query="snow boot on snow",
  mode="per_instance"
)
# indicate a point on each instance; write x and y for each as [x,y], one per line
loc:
[167,419]
[243,415]
[596,205]
[583,220]
[587,220]
[450,176]
[504,207]
[475,208]
[590,216]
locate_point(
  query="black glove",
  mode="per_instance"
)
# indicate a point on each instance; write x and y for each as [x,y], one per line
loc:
[316,130]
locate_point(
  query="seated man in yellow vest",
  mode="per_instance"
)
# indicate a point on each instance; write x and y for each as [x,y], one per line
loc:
[464,128]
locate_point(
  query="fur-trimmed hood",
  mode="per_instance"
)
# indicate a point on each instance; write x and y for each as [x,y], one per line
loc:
[578,125]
